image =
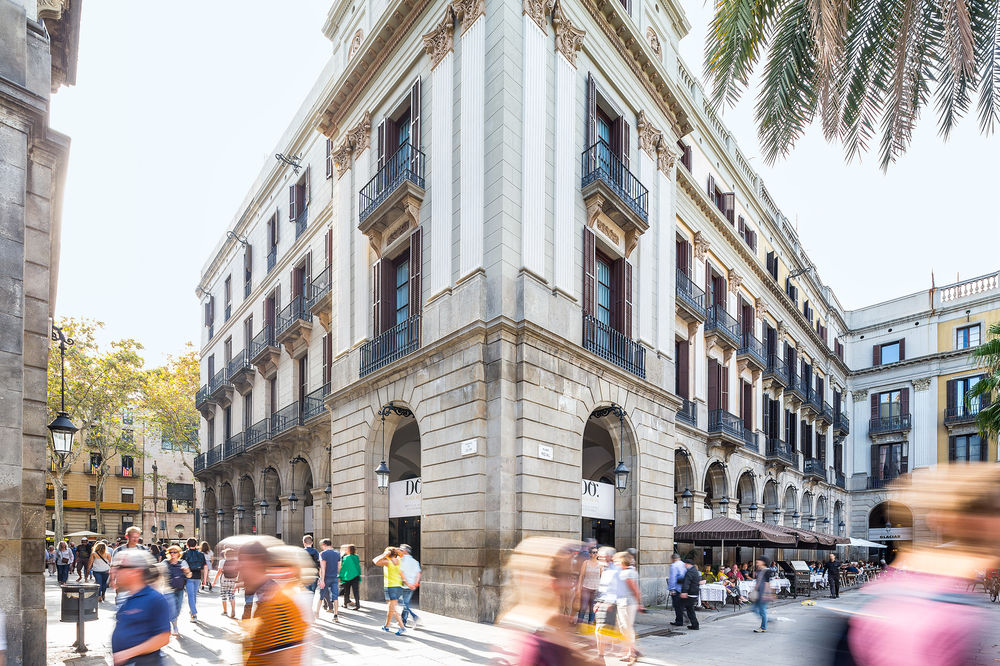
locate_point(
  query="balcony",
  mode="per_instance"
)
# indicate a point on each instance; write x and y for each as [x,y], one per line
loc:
[797,391]
[722,329]
[241,372]
[690,299]
[779,453]
[839,480]
[725,429]
[889,424]
[393,194]
[688,413]
[199,463]
[813,404]
[300,221]
[751,441]
[293,327]
[221,388]
[263,352]
[233,446]
[613,346]
[228,312]
[776,373]
[815,468]
[256,434]
[272,258]
[214,456]
[884,481]
[963,414]
[751,354]
[612,192]
[390,346]
[126,472]
[203,402]
[286,423]
[826,413]
[313,405]
[321,299]
[841,424]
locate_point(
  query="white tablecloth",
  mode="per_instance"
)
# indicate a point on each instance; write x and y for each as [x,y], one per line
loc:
[817,579]
[776,584]
[712,592]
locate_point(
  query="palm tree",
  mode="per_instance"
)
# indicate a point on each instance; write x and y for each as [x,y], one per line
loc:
[987,356]
[862,66]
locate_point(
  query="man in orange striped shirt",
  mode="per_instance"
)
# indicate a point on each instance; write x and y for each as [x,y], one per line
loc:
[277,632]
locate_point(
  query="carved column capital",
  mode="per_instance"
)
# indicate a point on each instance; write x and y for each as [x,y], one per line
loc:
[701,245]
[760,308]
[569,38]
[665,157]
[649,136]
[467,11]
[921,384]
[539,11]
[735,281]
[859,395]
[342,156]
[440,41]
[360,135]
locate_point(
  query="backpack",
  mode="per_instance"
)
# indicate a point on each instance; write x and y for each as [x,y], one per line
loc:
[177,578]
[195,559]
[229,569]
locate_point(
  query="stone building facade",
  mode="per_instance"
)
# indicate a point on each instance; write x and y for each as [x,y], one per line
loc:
[38,51]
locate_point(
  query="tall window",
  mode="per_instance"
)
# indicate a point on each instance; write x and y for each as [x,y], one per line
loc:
[966,448]
[889,461]
[604,291]
[890,404]
[128,495]
[402,307]
[227,292]
[210,425]
[93,493]
[962,405]
[95,463]
[967,336]
[128,466]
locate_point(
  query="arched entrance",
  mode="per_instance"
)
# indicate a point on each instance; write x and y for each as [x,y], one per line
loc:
[404,459]
[771,505]
[838,518]
[822,515]
[683,483]
[746,494]
[715,490]
[247,502]
[298,519]
[606,515]
[226,504]
[269,503]
[209,524]
[890,523]
[308,514]
[789,507]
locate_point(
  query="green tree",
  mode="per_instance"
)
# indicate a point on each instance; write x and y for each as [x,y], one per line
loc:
[862,66]
[987,357]
[169,400]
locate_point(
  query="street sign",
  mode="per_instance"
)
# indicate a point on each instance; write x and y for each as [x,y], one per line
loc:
[890,534]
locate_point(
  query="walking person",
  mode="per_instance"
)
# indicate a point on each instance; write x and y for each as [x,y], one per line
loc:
[690,589]
[677,571]
[206,578]
[587,582]
[411,571]
[629,602]
[196,562]
[64,560]
[278,633]
[82,564]
[329,572]
[100,566]
[761,593]
[229,572]
[392,581]
[607,595]
[350,574]
[177,575]
[307,545]
[50,559]
[832,568]
[143,621]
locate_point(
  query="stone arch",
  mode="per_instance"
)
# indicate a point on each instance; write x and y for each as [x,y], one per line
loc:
[247,499]
[890,523]
[299,484]
[746,494]
[789,505]
[606,441]
[716,485]
[226,505]
[822,513]
[269,503]
[806,504]
[209,526]
[684,479]
[770,500]
[838,517]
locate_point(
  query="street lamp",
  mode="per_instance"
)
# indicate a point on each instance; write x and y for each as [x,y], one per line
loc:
[724,505]
[796,517]
[240,511]
[776,514]
[62,427]
[292,499]
[686,498]
[753,511]
[812,521]
[328,491]
[220,513]
[263,506]
[826,523]
[382,471]
[621,469]
[840,528]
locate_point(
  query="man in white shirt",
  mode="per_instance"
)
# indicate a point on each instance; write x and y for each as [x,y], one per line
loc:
[132,536]
[411,572]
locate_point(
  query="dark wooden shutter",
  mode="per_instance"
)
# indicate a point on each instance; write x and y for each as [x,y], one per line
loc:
[902,349]
[388,277]
[328,249]
[293,210]
[208,312]
[381,141]
[618,295]
[248,262]
[329,159]
[589,271]
[591,129]
[748,405]
[306,188]
[874,398]
[296,281]
[377,296]
[623,138]
[904,401]
[711,189]
[415,114]
[308,276]
[683,363]
[876,470]
[627,310]
[682,257]
[876,355]
[416,263]
[951,390]
[724,388]
[951,448]
[713,385]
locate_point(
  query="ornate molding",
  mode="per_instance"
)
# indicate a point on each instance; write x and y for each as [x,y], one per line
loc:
[539,11]
[360,135]
[735,282]
[608,231]
[342,156]
[569,38]
[440,41]
[594,207]
[654,42]
[50,9]
[356,43]
[760,308]
[666,158]
[861,394]
[468,12]
[649,136]
[701,245]
[921,384]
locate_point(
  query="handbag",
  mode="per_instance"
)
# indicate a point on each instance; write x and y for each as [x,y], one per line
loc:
[754,595]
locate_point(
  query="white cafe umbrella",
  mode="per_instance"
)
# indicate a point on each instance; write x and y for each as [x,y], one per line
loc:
[862,543]
[84,533]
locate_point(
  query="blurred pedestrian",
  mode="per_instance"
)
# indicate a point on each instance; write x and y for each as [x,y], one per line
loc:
[50,559]
[690,589]
[607,597]
[329,572]
[100,566]
[307,545]
[350,574]
[392,582]
[629,602]
[196,562]
[177,574]
[538,570]
[276,634]
[677,571]
[64,560]
[82,563]
[143,621]
[761,593]
[228,571]
[832,569]
[587,582]
[206,577]
[412,573]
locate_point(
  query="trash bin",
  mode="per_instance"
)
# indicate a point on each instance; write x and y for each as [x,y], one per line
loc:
[71,593]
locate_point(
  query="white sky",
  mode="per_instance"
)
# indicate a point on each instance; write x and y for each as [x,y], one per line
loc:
[176,110]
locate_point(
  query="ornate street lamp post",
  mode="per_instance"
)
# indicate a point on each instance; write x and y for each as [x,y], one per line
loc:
[382,471]
[621,469]
[62,427]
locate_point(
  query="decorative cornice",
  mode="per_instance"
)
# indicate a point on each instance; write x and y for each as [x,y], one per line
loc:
[342,156]
[569,38]
[649,136]
[539,11]
[859,395]
[360,135]
[440,41]
[468,11]
[50,9]
[921,384]
[654,41]
[701,245]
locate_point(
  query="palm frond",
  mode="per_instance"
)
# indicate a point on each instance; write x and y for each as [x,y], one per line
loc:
[987,357]
[829,22]
[735,39]
[985,20]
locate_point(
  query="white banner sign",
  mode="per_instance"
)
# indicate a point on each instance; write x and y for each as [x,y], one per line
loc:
[890,534]
[404,498]
[598,500]
[307,515]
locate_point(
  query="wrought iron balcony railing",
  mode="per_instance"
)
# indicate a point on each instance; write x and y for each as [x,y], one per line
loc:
[827,412]
[313,403]
[776,370]
[296,310]
[754,348]
[815,467]
[219,379]
[885,480]
[780,450]
[320,286]
[300,221]
[393,344]
[285,419]
[233,446]
[883,424]
[257,433]
[127,472]
[721,321]
[751,440]
[688,412]
[239,363]
[690,293]
[797,387]
[840,480]
[842,423]
[261,341]
[406,164]
[722,422]
[272,258]
[199,462]
[214,456]
[201,397]
[965,413]
[613,346]
[600,163]
[816,400]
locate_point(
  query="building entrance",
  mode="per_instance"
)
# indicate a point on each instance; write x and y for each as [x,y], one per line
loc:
[601,531]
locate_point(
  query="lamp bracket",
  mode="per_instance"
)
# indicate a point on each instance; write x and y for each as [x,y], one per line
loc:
[295,161]
[242,240]
[390,408]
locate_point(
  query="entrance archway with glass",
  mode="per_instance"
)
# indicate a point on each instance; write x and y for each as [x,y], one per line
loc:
[607,494]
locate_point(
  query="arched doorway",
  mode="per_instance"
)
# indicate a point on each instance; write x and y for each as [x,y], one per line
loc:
[789,507]
[208,521]
[269,503]
[822,515]
[746,494]
[226,504]
[308,515]
[297,516]
[715,487]
[683,483]
[404,459]
[771,505]
[891,524]
[606,515]
[247,502]
[838,518]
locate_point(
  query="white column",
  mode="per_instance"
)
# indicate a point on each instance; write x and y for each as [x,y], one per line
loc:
[924,437]
[700,359]
[442,107]
[566,178]
[342,293]
[472,151]
[647,245]
[533,149]
[859,438]
[362,266]
[665,264]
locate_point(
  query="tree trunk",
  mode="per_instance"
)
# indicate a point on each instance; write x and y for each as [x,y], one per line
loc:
[57,502]
[102,475]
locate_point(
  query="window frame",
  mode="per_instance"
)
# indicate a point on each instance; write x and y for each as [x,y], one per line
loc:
[131,491]
[978,327]
[602,259]
[982,448]
[884,346]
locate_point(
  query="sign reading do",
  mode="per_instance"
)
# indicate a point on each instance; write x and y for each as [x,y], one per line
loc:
[597,500]
[404,498]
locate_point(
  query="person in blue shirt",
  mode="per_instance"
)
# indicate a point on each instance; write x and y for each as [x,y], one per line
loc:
[142,626]
[329,570]
[677,571]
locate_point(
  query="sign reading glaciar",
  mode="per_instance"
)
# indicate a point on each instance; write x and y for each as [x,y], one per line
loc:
[890,534]
[597,500]
[404,498]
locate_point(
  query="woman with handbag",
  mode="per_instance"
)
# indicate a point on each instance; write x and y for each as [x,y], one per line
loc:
[761,594]
[100,566]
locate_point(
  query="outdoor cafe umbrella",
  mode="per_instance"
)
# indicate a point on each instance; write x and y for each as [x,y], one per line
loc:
[738,532]
[84,533]
[861,543]
[809,539]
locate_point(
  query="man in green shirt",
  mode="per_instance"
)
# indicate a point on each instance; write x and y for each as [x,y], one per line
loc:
[350,575]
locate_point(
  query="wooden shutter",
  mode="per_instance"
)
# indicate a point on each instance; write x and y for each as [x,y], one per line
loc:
[951,448]
[293,211]
[711,189]
[627,300]
[724,387]
[591,129]
[683,363]
[416,263]
[876,355]
[388,277]
[876,471]
[329,159]
[589,271]
[904,401]
[328,249]
[306,188]
[682,257]
[742,227]
[713,385]
[381,141]
[415,113]
[902,349]
[377,296]
[208,312]
[951,390]
[307,282]
[248,262]
[618,294]
[748,405]
[623,139]
[874,398]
